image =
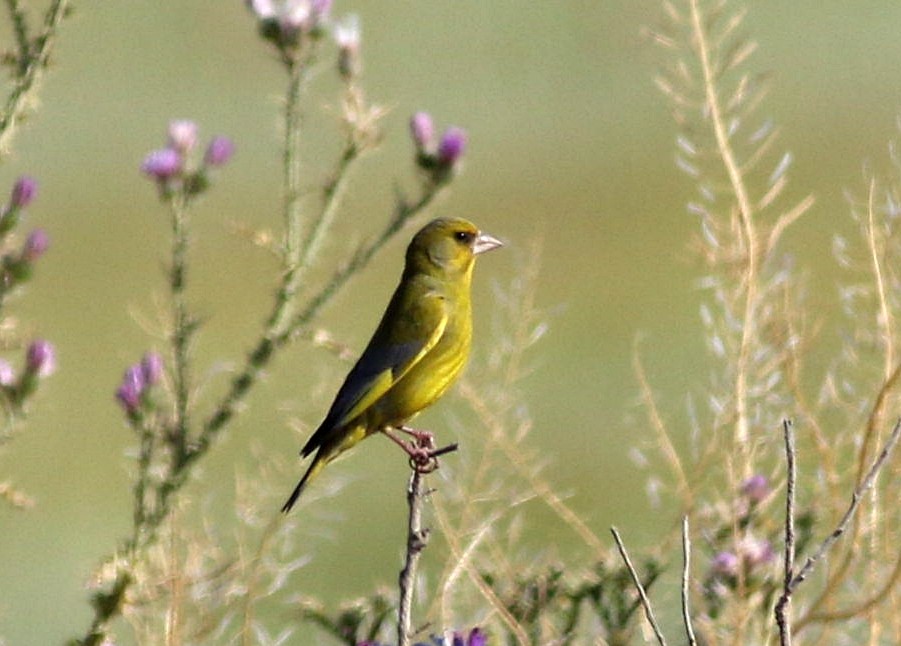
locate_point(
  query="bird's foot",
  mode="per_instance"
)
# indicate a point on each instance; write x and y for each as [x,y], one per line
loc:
[421,449]
[423,438]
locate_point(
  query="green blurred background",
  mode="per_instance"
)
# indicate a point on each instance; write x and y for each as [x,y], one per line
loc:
[569,141]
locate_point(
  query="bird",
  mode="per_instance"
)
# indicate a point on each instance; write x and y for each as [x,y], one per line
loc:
[417,351]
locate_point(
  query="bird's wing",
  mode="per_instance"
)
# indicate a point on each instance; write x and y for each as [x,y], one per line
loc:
[382,364]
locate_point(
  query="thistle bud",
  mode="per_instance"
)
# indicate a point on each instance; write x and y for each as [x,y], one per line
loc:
[347,37]
[40,359]
[151,368]
[219,151]
[7,374]
[422,130]
[182,135]
[162,164]
[35,245]
[452,146]
[131,389]
[23,193]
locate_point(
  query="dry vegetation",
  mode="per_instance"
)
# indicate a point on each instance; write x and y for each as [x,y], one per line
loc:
[176,579]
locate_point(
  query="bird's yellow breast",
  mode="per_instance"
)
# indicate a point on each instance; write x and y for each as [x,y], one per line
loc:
[431,377]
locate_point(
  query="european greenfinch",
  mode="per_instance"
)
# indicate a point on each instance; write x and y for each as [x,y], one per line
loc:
[417,351]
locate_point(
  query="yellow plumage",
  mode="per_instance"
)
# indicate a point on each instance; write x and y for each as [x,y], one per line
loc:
[418,349]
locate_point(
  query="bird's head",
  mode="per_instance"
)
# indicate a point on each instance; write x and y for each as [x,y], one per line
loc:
[448,247]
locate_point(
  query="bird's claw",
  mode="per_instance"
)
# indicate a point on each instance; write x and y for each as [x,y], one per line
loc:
[422,438]
[422,461]
[421,449]
[425,459]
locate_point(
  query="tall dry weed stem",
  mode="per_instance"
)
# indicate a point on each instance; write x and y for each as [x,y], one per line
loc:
[760,342]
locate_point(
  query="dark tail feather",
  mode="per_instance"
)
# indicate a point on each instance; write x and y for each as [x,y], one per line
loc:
[318,463]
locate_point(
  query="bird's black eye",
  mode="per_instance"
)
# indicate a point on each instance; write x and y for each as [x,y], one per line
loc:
[464,237]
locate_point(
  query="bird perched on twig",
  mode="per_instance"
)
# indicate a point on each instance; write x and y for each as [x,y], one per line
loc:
[417,351]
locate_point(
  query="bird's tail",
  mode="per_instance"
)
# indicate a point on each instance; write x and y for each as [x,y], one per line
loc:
[318,464]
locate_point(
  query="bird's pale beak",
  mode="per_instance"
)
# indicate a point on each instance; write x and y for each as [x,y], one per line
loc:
[485,242]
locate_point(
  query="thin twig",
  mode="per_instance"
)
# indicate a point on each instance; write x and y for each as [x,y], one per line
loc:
[20,28]
[29,72]
[783,621]
[332,193]
[496,603]
[182,324]
[857,496]
[746,218]
[417,539]
[877,251]
[645,602]
[686,571]
[538,484]
[663,436]
[145,460]
[830,540]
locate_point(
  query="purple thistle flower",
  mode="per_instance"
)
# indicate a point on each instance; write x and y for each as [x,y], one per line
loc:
[477,638]
[35,245]
[319,11]
[725,563]
[128,398]
[130,390]
[7,374]
[24,191]
[151,368]
[347,38]
[756,551]
[294,16]
[756,488]
[162,164]
[182,135]
[40,358]
[422,130]
[262,9]
[219,151]
[452,146]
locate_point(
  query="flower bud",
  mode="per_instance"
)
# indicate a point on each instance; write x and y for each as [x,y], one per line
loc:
[347,37]
[182,135]
[422,130]
[755,488]
[262,9]
[756,551]
[452,146]
[219,151]
[131,389]
[23,193]
[295,16]
[725,563]
[35,245]
[40,358]
[162,164]
[7,374]
[151,368]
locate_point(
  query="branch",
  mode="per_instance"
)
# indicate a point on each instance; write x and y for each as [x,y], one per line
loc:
[827,543]
[417,539]
[865,485]
[645,602]
[30,68]
[423,460]
[783,621]
[183,325]
[686,569]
